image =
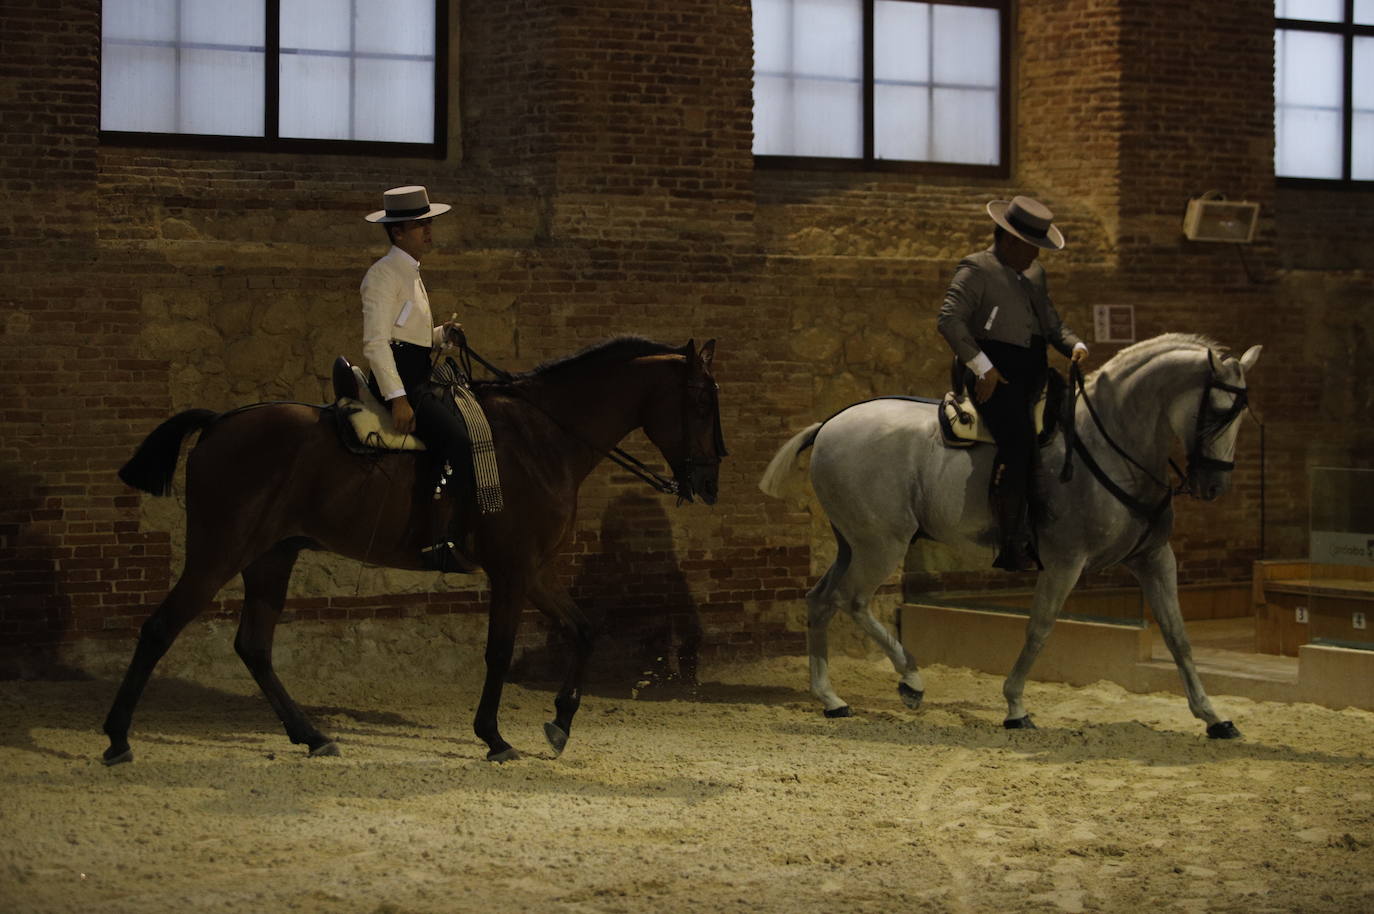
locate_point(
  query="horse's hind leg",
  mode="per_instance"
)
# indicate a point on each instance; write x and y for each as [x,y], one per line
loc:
[264,593]
[850,584]
[554,601]
[183,603]
[1157,573]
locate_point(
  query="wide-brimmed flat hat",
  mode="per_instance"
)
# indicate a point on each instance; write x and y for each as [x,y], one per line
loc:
[402,204]
[1027,219]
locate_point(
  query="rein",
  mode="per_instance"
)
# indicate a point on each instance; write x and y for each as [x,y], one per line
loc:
[616,455]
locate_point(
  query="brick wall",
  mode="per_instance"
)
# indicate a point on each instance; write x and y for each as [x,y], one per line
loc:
[602,182]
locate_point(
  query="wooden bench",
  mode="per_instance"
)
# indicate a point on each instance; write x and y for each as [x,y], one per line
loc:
[1297,602]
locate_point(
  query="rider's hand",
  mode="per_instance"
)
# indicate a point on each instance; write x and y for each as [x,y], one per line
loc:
[453,333]
[986,386]
[1080,353]
[402,416]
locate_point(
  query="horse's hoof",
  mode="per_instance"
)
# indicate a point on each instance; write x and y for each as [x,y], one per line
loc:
[912,698]
[841,711]
[111,757]
[1223,730]
[557,738]
[508,754]
[329,749]
[1019,723]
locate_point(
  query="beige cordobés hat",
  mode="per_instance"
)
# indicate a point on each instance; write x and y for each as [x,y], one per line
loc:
[402,204]
[1027,219]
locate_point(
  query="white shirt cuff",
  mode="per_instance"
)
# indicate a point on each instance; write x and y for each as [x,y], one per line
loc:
[390,395]
[1080,345]
[980,364]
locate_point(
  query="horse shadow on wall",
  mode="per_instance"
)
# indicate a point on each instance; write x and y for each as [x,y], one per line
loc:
[651,634]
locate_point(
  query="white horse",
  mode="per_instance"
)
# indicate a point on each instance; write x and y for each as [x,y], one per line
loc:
[881,474]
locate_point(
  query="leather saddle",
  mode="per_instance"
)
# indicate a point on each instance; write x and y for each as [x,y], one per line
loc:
[364,420]
[961,426]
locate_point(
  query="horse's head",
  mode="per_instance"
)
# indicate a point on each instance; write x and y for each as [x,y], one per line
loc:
[686,427]
[1211,428]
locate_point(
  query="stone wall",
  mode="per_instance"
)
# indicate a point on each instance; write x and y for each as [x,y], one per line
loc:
[600,170]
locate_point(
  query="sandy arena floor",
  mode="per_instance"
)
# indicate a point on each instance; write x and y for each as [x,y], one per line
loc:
[738,797]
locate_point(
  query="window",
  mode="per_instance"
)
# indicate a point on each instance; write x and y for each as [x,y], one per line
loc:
[275,73]
[1324,89]
[881,82]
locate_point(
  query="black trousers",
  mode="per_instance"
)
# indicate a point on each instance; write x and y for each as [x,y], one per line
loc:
[1007,414]
[437,420]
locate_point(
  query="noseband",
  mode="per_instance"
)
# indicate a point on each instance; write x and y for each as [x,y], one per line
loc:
[1212,421]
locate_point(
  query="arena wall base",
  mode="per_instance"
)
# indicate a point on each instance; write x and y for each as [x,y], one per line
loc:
[1078,653]
[1337,677]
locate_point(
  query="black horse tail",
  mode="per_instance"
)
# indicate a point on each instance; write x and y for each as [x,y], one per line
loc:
[155,462]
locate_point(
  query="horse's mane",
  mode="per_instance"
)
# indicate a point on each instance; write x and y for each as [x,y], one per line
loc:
[1138,355]
[616,349]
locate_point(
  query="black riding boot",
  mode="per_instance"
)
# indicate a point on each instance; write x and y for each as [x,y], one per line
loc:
[1018,552]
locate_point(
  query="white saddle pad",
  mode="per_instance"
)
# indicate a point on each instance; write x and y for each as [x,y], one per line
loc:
[968,426]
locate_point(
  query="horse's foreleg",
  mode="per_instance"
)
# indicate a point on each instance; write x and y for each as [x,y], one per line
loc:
[553,600]
[186,599]
[503,621]
[1051,589]
[264,593]
[1157,573]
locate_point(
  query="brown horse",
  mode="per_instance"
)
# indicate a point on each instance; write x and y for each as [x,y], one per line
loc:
[265,482]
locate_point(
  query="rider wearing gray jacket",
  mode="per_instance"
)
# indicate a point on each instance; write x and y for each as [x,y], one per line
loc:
[998,318]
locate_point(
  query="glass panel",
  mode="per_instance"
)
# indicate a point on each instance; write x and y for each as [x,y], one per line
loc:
[964,126]
[153,20]
[1311,10]
[138,88]
[315,97]
[901,128]
[1308,94]
[967,46]
[901,42]
[241,24]
[827,118]
[221,93]
[319,25]
[396,27]
[1362,138]
[808,98]
[394,101]
[1340,606]
[1364,12]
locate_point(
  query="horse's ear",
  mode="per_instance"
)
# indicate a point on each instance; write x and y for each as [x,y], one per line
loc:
[690,349]
[1251,357]
[708,352]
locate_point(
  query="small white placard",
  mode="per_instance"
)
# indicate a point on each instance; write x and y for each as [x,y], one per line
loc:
[1114,323]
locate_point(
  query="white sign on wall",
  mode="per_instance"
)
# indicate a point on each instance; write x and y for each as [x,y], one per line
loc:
[1114,323]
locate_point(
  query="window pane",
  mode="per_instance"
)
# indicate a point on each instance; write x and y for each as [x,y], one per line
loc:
[808,98]
[1311,10]
[964,126]
[396,27]
[901,42]
[138,88]
[149,20]
[315,97]
[901,128]
[1364,12]
[394,101]
[221,93]
[240,24]
[967,46]
[317,25]
[1362,138]
[1308,95]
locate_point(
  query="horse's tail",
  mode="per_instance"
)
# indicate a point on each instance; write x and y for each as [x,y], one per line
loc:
[155,462]
[784,462]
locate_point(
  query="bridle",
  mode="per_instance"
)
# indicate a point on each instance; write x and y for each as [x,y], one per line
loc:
[682,484]
[1210,423]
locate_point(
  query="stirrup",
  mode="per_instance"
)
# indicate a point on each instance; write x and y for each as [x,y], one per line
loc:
[444,556]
